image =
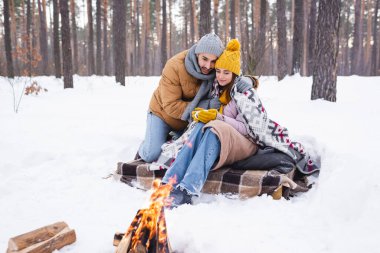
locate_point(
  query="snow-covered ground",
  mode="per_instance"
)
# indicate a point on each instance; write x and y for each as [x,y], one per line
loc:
[55,151]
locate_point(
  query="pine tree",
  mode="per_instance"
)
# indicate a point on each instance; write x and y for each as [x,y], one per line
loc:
[66,45]
[374,65]
[327,46]
[75,38]
[281,38]
[297,36]
[90,58]
[232,19]
[98,37]
[205,18]
[216,16]
[57,49]
[312,31]
[7,39]
[43,37]
[119,39]
[164,54]
[358,38]
[106,56]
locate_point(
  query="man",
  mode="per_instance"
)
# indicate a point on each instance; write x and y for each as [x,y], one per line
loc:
[186,79]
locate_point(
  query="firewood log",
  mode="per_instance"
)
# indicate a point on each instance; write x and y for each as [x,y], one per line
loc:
[117,238]
[123,245]
[55,242]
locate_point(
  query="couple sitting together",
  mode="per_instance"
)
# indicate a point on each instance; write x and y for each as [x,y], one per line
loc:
[229,125]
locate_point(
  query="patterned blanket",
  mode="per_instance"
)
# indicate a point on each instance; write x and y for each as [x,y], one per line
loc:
[266,132]
[243,183]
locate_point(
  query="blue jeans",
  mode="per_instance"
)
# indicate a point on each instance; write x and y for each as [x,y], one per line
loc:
[194,161]
[155,135]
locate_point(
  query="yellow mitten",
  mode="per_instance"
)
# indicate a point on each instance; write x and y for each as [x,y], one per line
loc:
[194,114]
[206,116]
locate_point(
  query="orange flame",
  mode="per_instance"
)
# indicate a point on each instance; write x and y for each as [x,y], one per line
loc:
[150,219]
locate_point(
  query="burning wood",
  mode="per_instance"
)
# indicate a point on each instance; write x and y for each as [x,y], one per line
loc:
[147,232]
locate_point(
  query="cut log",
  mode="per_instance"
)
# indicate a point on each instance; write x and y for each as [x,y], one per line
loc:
[41,234]
[277,194]
[117,238]
[43,240]
[124,244]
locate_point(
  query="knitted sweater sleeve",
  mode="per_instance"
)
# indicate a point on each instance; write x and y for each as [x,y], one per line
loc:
[232,117]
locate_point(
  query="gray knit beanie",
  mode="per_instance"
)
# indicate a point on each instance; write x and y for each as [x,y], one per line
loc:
[210,44]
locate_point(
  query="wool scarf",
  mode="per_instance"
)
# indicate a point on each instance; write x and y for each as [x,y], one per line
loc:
[192,67]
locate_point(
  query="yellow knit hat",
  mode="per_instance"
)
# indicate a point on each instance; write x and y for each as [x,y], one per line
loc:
[230,58]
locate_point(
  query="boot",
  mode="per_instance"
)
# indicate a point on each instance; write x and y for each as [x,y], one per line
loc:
[179,196]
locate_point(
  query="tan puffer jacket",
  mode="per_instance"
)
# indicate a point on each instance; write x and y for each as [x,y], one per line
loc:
[174,92]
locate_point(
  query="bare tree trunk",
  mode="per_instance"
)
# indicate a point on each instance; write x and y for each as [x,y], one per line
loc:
[159,36]
[312,32]
[281,38]
[216,16]
[358,37]
[252,34]
[106,57]
[75,39]
[14,33]
[146,38]
[227,18]
[57,49]
[185,24]
[196,27]
[66,46]
[244,36]
[257,16]
[205,18]
[29,37]
[367,53]
[374,47]
[232,19]
[192,21]
[305,51]
[164,55]
[119,34]
[297,36]
[91,61]
[35,46]
[345,34]
[138,38]
[98,37]
[7,39]
[238,20]
[327,46]
[43,38]
[260,48]
[169,37]
[134,28]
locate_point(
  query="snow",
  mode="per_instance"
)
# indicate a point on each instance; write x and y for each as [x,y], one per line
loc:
[56,149]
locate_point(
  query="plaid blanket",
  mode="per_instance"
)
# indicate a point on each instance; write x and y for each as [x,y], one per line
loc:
[244,183]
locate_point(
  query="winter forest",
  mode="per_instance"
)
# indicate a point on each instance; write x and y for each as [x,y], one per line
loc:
[77,78]
[136,37]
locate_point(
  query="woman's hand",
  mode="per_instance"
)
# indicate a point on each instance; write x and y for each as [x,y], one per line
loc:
[204,116]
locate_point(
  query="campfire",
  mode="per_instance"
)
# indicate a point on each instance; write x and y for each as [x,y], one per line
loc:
[147,232]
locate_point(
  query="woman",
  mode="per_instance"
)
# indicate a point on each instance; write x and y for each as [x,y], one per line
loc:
[220,137]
